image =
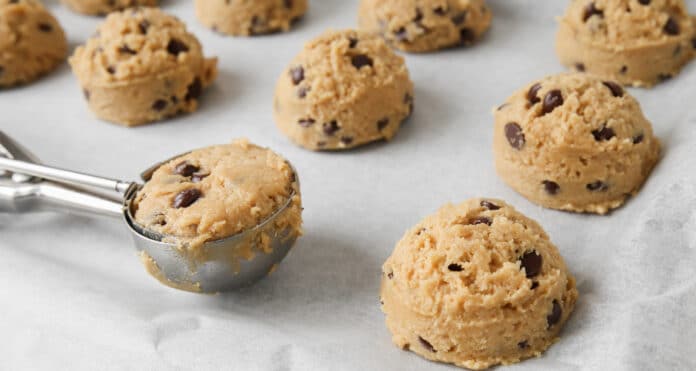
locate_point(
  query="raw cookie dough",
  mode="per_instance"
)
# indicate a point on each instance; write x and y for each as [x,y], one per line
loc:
[142,66]
[245,18]
[216,192]
[104,7]
[476,284]
[634,42]
[425,25]
[345,89]
[574,142]
[32,42]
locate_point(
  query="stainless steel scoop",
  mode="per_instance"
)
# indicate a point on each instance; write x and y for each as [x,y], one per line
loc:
[26,186]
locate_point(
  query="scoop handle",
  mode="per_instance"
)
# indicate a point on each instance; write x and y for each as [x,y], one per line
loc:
[75,179]
[46,195]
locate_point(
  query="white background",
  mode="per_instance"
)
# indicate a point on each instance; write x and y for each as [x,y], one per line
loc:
[74,296]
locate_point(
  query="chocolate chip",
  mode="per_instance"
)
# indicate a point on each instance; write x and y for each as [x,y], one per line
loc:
[185,169]
[143,26]
[175,46]
[671,27]
[352,42]
[623,70]
[111,69]
[664,77]
[86,93]
[514,135]
[644,2]
[419,16]
[330,128]
[532,96]
[45,27]
[580,67]
[159,105]
[297,75]
[531,262]
[441,11]
[598,186]
[466,36]
[197,177]
[361,60]
[454,267]
[302,92]
[591,10]
[125,49]
[638,138]
[555,315]
[186,198]
[616,89]
[551,187]
[288,4]
[390,275]
[459,18]
[305,123]
[194,90]
[383,123]
[401,34]
[489,205]
[523,344]
[535,284]
[347,140]
[481,220]
[693,42]
[500,107]
[426,345]
[553,99]
[2,69]
[604,133]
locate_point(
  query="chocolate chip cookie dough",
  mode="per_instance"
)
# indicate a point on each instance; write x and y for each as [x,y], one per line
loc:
[246,18]
[104,7]
[142,66]
[216,192]
[32,43]
[574,142]
[476,284]
[425,25]
[634,42]
[345,89]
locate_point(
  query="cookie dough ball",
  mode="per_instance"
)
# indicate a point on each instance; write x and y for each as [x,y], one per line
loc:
[345,89]
[425,25]
[216,192]
[104,7]
[634,42]
[476,284]
[246,18]
[142,66]
[32,43]
[574,142]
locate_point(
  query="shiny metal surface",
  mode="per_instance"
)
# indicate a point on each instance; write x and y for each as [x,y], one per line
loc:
[26,186]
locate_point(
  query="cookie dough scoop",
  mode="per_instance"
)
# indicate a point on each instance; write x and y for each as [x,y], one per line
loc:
[142,66]
[343,90]
[104,7]
[248,18]
[421,26]
[574,142]
[633,42]
[32,43]
[476,284]
[211,220]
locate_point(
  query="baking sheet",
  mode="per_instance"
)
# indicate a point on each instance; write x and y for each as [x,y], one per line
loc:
[73,294]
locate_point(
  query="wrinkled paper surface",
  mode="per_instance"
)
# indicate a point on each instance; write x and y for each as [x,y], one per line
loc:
[73,294]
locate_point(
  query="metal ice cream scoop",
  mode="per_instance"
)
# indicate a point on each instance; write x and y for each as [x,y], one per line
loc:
[27,186]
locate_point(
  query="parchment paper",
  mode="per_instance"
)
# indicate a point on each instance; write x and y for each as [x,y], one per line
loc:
[73,294]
